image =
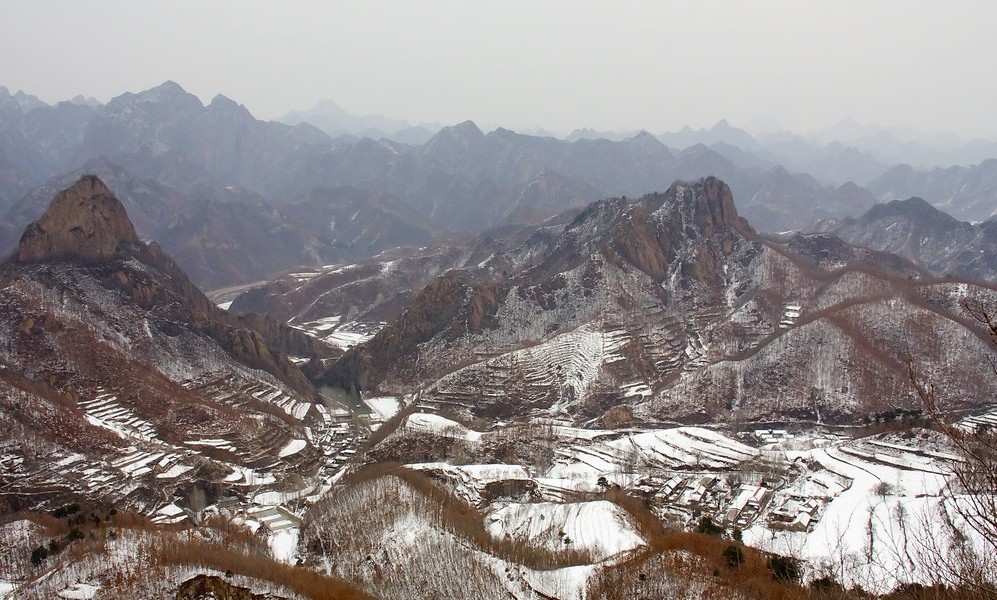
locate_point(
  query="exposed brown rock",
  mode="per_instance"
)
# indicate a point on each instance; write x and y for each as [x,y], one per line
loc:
[637,243]
[210,587]
[84,222]
[715,210]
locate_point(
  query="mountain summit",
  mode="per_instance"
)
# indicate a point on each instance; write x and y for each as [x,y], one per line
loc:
[84,222]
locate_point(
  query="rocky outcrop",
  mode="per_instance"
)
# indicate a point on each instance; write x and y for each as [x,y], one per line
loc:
[209,587]
[714,208]
[84,222]
[689,232]
[87,225]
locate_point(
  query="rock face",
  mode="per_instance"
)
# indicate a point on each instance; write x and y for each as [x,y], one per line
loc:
[88,228]
[84,222]
[209,587]
[121,329]
[685,234]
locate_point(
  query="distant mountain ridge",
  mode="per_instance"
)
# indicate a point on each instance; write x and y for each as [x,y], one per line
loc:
[967,193]
[185,163]
[915,229]
[335,121]
[228,235]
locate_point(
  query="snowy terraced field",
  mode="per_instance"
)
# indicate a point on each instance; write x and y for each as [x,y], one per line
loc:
[600,527]
[987,420]
[236,392]
[292,447]
[825,498]
[686,446]
[384,407]
[869,509]
[342,335]
[790,314]
[105,411]
[431,423]
[548,374]
[285,460]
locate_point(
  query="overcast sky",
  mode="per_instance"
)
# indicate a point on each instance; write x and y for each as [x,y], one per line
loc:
[556,64]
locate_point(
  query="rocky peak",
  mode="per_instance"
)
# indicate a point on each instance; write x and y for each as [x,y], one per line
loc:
[690,219]
[660,228]
[710,204]
[225,105]
[914,208]
[715,209]
[453,146]
[462,134]
[467,128]
[168,93]
[19,101]
[646,141]
[80,100]
[914,212]
[167,89]
[84,222]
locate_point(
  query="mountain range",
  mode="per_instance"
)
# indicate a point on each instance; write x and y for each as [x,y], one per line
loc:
[927,236]
[204,180]
[651,303]
[531,379]
[112,355]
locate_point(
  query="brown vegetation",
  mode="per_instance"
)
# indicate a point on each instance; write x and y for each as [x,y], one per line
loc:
[465,521]
[223,557]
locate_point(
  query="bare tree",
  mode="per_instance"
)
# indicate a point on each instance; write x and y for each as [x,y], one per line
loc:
[971,563]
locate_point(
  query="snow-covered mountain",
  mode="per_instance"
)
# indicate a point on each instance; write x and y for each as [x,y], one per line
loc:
[130,387]
[917,230]
[673,306]
[640,396]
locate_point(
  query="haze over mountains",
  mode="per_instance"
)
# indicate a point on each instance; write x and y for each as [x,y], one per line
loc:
[93,313]
[528,365]
[205,179]
[512,300]
[623,318]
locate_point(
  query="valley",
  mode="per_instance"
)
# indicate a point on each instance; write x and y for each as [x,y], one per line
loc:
[458,363]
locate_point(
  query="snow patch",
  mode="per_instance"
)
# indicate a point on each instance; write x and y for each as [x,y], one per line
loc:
[79,591]
[384,406]
[600,527]
[292,447]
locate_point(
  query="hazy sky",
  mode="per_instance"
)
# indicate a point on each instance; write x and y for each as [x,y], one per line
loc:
[555,64]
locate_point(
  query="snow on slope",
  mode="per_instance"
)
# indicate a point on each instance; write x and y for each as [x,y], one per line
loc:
[384,406]
[469,481]
[871,533]
[858,507]
[404,550]
[686,445]
[569,361]
[292,447]
[566,583]
[430,423]
[578,353]
[600,527]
